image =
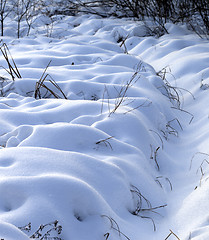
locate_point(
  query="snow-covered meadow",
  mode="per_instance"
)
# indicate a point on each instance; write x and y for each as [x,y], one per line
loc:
[125,156]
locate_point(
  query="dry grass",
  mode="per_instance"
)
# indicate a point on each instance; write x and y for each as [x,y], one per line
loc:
[153,156]
[172,233]
[146,103]
[158,136]
[12,67]
[122,99]
[174,93]
[140,209]
[158,180]
[42,85]
[124,45]
[122,94]
[45,231]
[193,157]
[105,142]
[114,226]
[201,167]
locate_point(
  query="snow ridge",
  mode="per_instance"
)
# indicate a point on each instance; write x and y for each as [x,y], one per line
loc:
[109,161]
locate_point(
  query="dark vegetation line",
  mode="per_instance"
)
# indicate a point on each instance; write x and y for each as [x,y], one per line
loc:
[193,13]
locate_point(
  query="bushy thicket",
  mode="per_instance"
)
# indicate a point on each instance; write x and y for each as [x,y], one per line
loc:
[195,13]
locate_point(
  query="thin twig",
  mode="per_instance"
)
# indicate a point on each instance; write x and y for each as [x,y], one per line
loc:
[13,70]
[172,233]
[115,226]
[201,153]
[158,136]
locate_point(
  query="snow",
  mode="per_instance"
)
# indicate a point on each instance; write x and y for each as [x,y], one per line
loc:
[126,153]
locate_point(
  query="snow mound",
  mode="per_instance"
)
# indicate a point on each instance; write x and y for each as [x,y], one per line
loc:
[107,156]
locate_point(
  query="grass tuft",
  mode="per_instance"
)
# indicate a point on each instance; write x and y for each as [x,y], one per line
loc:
[105,142]
[45,231]
[122,97]
[12,67]
[41,85]
[140,209]
[200,168]
[157,180]
[114,226]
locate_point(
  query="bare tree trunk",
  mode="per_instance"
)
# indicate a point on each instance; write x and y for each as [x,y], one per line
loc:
[3,14]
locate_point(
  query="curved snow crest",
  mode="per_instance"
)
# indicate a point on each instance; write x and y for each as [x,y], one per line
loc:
[9,231]
[69,186]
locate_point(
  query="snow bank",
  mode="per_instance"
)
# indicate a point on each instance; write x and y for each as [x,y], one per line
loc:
[103,161]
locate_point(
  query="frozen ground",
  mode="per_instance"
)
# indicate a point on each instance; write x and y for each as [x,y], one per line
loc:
[125,156]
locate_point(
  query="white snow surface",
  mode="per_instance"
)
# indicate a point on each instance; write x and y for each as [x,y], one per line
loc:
[125,156]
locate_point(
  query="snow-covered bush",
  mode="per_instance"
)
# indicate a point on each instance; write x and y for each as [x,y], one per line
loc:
[193,13]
